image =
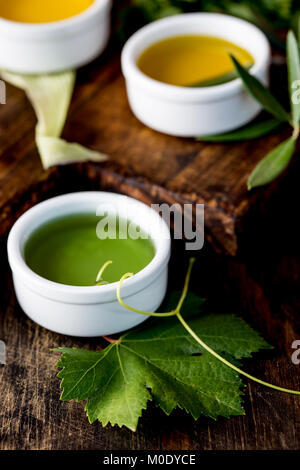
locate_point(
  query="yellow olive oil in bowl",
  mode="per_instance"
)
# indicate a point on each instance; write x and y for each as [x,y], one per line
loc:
[42,11]
[68,251]
[192,60]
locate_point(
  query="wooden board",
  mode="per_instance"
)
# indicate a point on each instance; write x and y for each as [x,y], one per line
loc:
[264,290]
[143,162]
[262,283]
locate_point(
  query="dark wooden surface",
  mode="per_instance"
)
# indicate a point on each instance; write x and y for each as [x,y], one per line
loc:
[162,167]
[250,265]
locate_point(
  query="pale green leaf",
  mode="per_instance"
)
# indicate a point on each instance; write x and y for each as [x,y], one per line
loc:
[273,164]
[50,96]
[55,151]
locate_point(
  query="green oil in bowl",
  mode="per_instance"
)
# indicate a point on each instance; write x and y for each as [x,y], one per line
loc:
[68,251]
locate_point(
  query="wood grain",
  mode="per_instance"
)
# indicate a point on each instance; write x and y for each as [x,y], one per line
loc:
[162,167]
[260,282]
[32,417]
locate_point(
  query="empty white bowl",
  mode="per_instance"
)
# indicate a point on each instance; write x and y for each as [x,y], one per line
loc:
[52,47]
[190,112]
[95,310]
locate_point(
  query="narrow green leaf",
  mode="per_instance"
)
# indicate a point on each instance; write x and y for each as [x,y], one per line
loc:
[273,164]
[220,80]
[252,131]
[293,61]
[261,93]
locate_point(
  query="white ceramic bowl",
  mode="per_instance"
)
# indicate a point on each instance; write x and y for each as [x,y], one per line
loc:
[189,112]
[56,46]
[89,311]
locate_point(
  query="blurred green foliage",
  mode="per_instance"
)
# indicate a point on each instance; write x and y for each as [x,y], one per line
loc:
[270,15]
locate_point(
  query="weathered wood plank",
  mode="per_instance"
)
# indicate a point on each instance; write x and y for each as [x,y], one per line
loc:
[262,283]
[32,417]
[175,169]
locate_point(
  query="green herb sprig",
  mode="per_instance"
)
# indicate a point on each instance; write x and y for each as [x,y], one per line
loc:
[271,166]
[192,364]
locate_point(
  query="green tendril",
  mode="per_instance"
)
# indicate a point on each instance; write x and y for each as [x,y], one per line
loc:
[191,332]
[99,281]
[142,312]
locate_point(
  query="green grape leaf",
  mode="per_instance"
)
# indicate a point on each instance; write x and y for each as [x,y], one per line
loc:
[273,164]
[261,93]
[251,131]
[161,362]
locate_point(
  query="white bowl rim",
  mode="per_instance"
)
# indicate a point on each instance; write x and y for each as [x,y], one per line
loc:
[83,294]
[17,27]
[173,92]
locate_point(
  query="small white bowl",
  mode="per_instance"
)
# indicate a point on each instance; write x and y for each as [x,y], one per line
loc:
[190,112]
[95,310]
[32,48]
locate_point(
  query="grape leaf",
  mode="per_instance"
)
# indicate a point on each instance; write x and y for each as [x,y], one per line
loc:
[161,362]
